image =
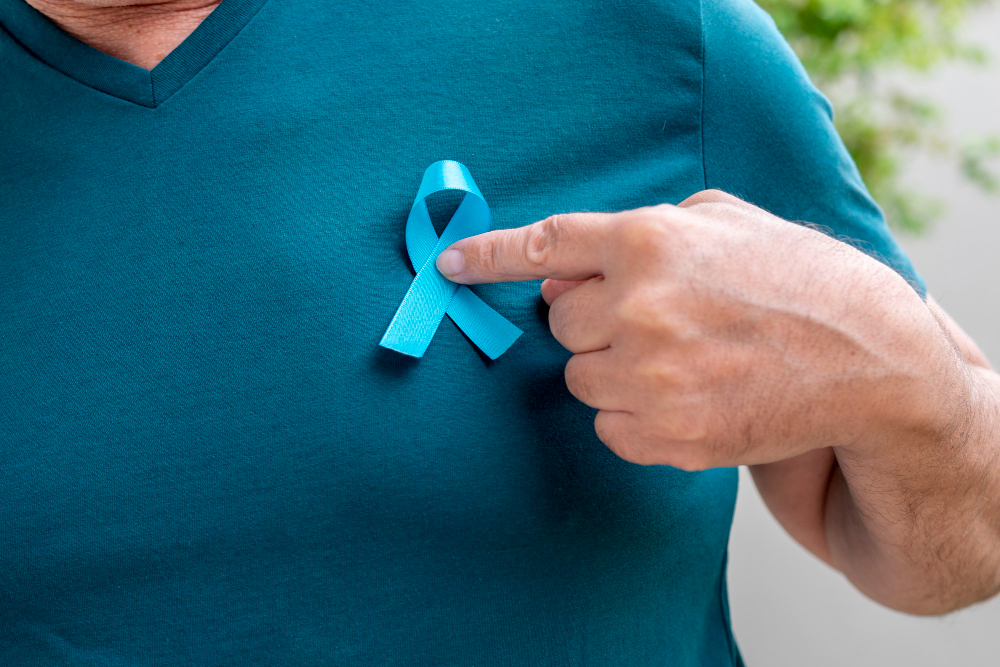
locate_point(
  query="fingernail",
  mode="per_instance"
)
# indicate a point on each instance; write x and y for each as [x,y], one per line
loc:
[451,262]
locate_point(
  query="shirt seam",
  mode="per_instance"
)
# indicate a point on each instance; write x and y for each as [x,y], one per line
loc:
[239,32]
[154,102]
[36,57]
[701,120]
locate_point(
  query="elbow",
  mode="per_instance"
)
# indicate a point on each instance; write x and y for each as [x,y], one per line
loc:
[939,591]
[939,605]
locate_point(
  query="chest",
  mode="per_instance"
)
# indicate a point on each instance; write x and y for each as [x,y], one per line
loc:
[191,299]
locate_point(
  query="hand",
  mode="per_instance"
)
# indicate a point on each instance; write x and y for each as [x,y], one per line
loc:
[715,334]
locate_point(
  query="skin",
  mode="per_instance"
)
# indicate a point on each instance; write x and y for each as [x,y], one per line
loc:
[714,334]
[141,32]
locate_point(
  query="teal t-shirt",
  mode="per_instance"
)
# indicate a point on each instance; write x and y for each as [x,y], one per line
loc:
[206,458]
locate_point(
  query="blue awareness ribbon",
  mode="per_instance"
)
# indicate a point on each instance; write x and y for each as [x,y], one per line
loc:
[431,295]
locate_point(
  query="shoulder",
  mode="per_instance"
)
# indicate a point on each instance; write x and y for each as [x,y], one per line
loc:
[769,136]
[768,132]
[747,60]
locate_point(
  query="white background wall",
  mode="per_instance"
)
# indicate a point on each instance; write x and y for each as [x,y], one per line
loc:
[789,608]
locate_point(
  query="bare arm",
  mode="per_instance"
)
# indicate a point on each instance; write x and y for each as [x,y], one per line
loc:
[915,528]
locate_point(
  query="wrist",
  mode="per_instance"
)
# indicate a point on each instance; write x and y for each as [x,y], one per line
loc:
[926,405]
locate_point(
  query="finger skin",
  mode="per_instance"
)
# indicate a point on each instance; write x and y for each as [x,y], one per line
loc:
[625,434]
[600,380]
[552,289]
[622,433]
[716,197]
[580,318]
[569,246]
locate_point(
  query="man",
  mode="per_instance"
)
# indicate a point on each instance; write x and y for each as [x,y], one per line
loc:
[208,460]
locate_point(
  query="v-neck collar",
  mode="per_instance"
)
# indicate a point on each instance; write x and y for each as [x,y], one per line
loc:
[94,68]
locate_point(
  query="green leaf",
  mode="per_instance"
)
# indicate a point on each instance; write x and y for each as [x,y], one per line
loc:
[849,47]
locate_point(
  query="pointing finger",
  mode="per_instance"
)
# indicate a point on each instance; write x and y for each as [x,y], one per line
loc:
[567,247]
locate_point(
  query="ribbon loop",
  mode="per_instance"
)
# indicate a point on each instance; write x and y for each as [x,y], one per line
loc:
[431,296]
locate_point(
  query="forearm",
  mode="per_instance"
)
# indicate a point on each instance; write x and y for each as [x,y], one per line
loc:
[795,491]
[916,525]
[912,518]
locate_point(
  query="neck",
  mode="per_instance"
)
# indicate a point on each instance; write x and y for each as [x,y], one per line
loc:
[141,32]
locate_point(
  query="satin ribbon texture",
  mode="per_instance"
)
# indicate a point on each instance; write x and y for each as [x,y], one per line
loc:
[431,295]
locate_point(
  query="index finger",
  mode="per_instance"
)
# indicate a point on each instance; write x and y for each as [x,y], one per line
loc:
[569,246]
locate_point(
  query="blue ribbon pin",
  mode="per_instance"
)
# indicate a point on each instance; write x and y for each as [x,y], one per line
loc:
[431,295]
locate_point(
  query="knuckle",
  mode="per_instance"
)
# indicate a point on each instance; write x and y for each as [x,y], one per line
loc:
[603,428]
[690,449]
[542,238]
[558,312]
[677,379]
[610,433]
[559,327]
[622,442]
[633,452]
[659,376]
[562,314]
[716,195]
[640,311]
[683,418]
[654,442]
[644,234]
[692,460]
[580,380]
[712,196]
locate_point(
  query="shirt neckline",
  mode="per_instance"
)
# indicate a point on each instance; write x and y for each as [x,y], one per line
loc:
[96,69]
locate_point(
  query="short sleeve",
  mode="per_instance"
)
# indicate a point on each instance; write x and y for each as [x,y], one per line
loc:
[768,135]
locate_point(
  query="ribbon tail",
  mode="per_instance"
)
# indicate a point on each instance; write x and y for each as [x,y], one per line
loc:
[420,313]
[489,330]
[431,295]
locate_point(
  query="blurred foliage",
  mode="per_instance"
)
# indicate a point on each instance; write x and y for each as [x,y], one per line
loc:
[848,47]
